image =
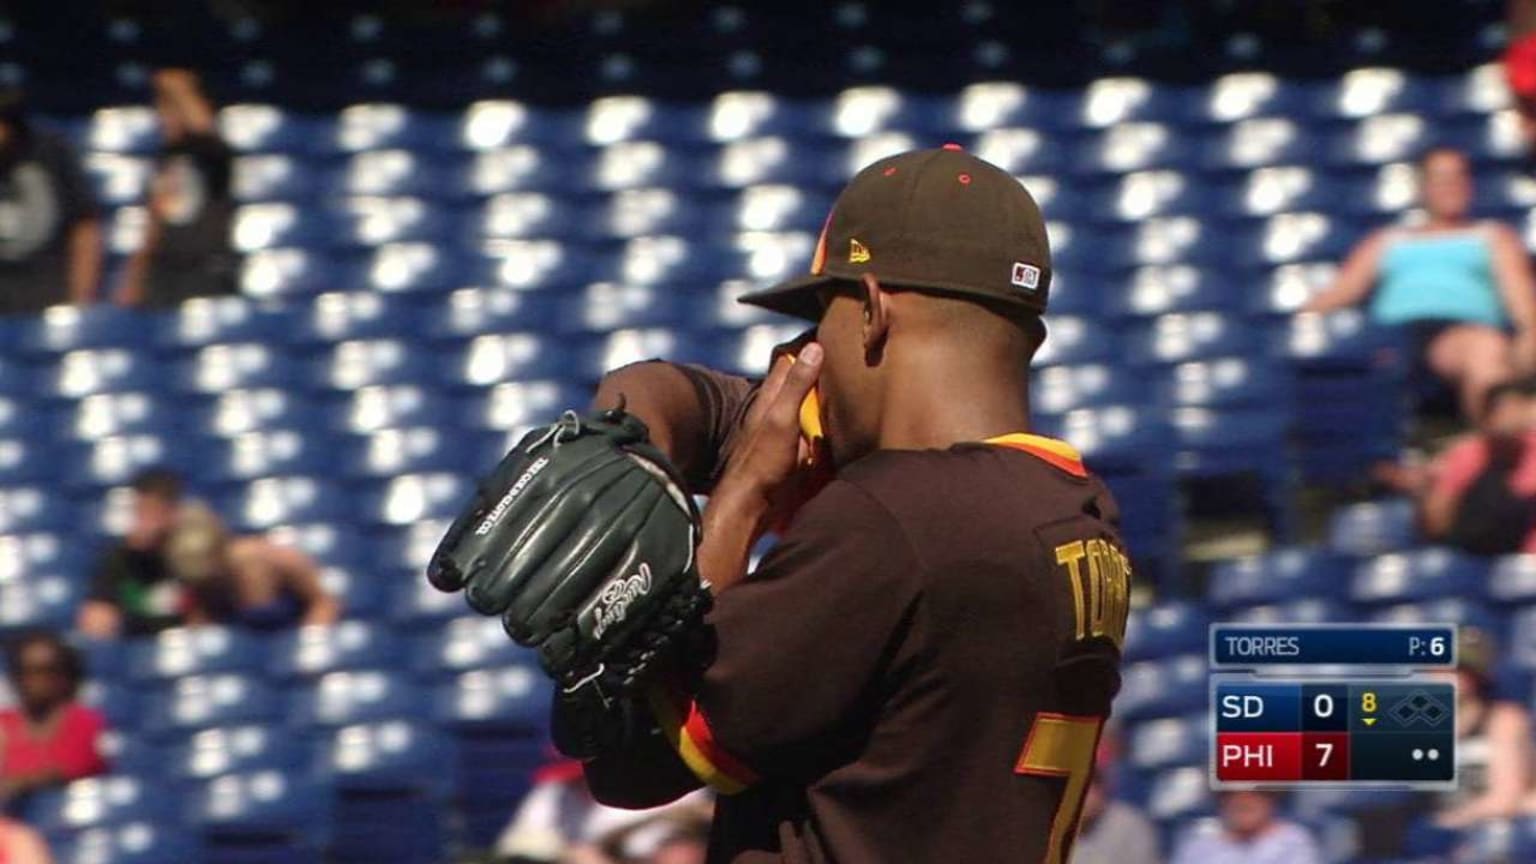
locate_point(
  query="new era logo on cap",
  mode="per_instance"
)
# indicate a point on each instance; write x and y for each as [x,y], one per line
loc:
[1026,276]
[858,253]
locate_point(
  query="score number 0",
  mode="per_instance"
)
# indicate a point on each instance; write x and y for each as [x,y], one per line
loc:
[1322,707]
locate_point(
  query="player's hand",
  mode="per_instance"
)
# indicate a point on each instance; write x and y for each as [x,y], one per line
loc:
[766,468]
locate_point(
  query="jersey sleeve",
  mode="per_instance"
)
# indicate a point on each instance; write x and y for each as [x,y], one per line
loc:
[724,400]
[1089,568]
[804,645]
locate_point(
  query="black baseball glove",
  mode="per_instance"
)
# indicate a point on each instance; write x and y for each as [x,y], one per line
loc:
[583,541]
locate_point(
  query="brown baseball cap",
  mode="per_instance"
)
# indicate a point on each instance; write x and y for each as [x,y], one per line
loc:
[938,220]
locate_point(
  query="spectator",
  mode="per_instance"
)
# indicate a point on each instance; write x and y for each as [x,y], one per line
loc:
[132,592]
[186,250]
[1493,741]
[1251,832]
[50,234]
[248,581]
[1480,494]
[21,845]
[1112,832]
[49,739]
[1457,286]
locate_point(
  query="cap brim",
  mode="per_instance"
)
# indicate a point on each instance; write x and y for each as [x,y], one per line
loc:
[796,297]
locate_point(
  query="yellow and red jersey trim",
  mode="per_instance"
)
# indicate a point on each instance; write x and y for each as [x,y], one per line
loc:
[690,735]
[1058,453]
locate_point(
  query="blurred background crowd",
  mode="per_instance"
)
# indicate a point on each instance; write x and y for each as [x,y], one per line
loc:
[276,282]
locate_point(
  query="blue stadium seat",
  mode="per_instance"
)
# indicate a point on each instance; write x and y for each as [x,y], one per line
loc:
[118,702]
[124,129]
[26,554]
[288,272]
[195,651]
[31,508]
[111,415]
[1278,576]
[643,212]
[1279,189]
[328,543]
[1512,579]
[1242,96]
[1380,139]
[38,601]
[1160,290]
[515,168]
[368,362]
[357,588]
[467,643]
[309,652]
[115,460]
[213,753]
[1182,337]
[99,801]
[247,814]
[1385,192]
[1129,147]
[1003,104]
[1077,340]
[104,659]
[28,461]
[273,177]
[70,328]
[253,128]
[1368,92]
[273,501]
[1421,574]
[204,701]
[1165,630]
[343,698]
[410,498]
[20,418]
[511,699]
[1228,382]
[269,453]
[1372,528]
[1144,194]
[1110,102]
[1180,793]
[1163,688]
[1059,389]
[98,370]
[1520,652]
[412,450]
[518,405]
[374,408]
[1287,238]
[375,221]
[497,358]
[386,172]
[133,842]
[603,307]
[1452,610]
[1258,142]
[392,755]
[118,180]
[510,215]
[223,367]
[470,312]
[379,126]
[629,165]
[1346,338]
[1306,610]
[1170,742]
[203,321]
[1482,90]
[282,224]
[1215,442]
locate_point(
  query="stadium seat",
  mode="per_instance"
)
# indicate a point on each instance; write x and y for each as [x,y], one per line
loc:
[68,328]
[1244,95]
[99,801]
[1165,630]
[392,755]
[1278,576]
[312,651]
[253,128]
[214,753]
[375,408]
[1180,793]
[287,272]
[518,405]
[269,453]
[1228,382]
[39,601]
[272,177]
[468,643]
[1305,610]
[1368,92]
[1258,142]
[1279,189]
[379,126]
[409,498]
[1421,574]
[240,411]
[497,358]
[328,543]
[126,129]
[1452,610]
[1132,147]
[1160,290]
[262,815]
[279,224]
[1512,579]
[1170,742]
[1077,340]
[273,501]
[132,842]
[1179,338]
[197,702]
[224,367]
[1372,528]
[203,321]
[1163,688]
[513,699]
[89,371]
[194,651]
[1379,139]
[342,698]
[1059,389]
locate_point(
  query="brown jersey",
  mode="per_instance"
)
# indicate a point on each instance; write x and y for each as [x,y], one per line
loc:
[920,669]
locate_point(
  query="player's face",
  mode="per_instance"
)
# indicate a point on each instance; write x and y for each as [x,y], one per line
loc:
[847,382]
[1447,185]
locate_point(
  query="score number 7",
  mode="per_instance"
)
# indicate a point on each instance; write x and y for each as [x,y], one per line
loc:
[1062,745]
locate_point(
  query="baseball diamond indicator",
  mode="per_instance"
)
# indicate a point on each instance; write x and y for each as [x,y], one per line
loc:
[1246,646]
[1391,732]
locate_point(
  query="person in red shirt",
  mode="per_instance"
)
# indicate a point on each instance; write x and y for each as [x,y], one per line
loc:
[50,738]
[1480,493]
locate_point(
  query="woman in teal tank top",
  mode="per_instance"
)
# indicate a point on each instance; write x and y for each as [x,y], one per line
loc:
[1462,288]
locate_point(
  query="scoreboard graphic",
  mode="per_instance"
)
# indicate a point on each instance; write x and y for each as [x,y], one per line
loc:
[1318,705]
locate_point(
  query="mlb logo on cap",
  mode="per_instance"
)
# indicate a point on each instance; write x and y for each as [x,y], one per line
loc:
[1026,276]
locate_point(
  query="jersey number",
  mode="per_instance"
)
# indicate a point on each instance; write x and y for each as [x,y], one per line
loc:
[1061,745]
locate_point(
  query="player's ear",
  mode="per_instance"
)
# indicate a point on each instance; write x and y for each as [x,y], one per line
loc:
[877,317]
